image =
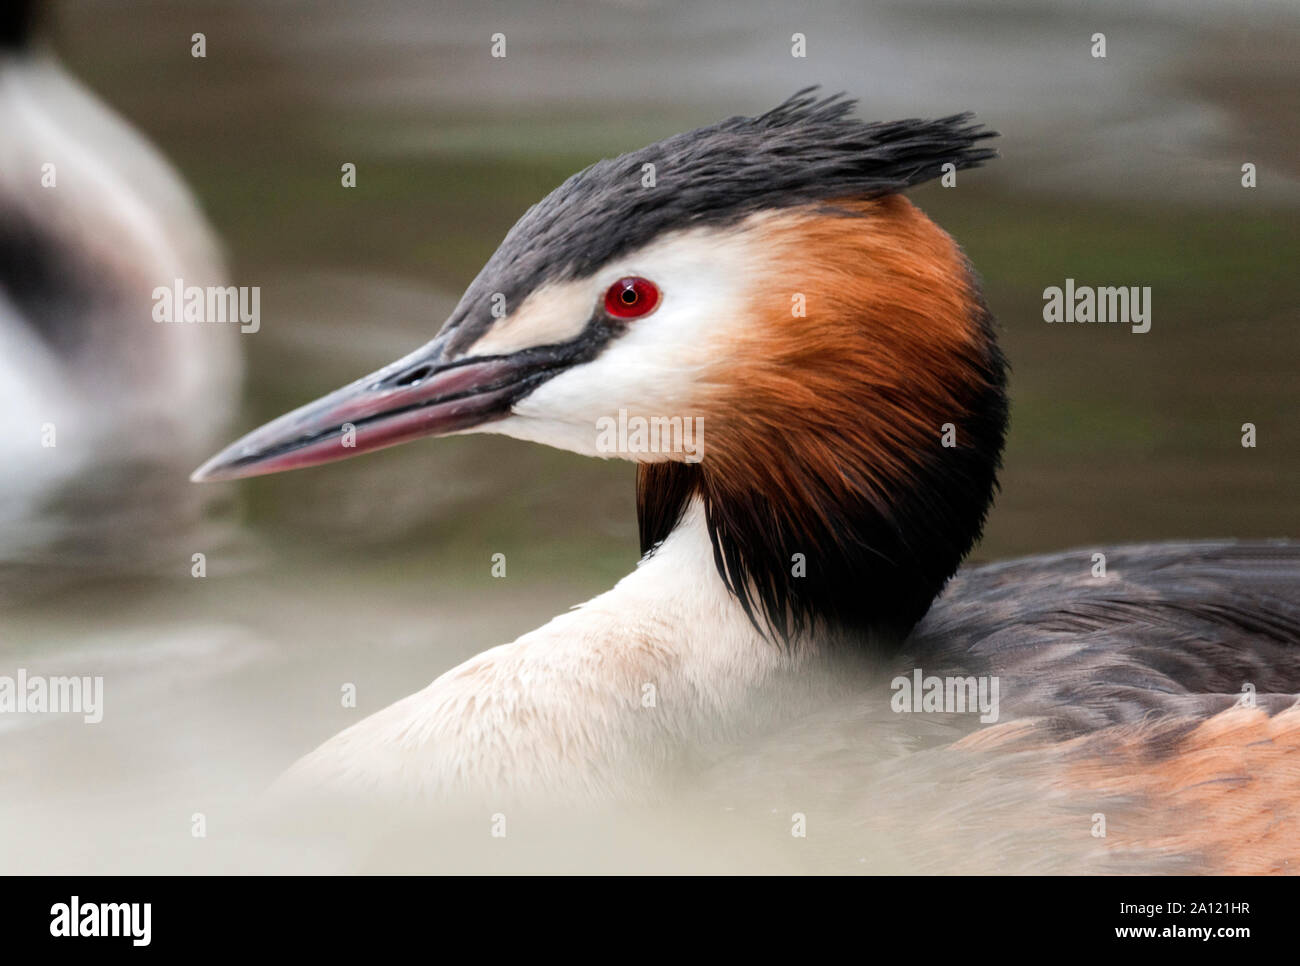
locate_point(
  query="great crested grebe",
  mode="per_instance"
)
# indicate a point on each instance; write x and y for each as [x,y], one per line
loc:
[103,411]
[772,287]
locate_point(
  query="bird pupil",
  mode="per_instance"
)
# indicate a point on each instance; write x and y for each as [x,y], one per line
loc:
[629,295]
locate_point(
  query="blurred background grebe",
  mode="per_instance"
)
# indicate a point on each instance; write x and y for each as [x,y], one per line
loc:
[98,413]
[1123,170]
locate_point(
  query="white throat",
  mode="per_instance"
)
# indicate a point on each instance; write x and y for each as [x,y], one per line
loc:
[597,704]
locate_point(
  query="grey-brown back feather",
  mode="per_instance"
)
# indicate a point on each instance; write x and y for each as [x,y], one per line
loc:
[1172,628]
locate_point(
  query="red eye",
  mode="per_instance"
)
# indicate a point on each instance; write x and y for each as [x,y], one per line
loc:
[631,298]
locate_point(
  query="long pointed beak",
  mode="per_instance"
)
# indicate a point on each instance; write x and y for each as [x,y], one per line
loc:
[420,395]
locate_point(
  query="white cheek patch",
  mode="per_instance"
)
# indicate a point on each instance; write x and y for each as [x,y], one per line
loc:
[554,313]
[654,368]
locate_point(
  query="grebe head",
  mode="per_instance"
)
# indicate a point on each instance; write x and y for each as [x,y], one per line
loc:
[755,315]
